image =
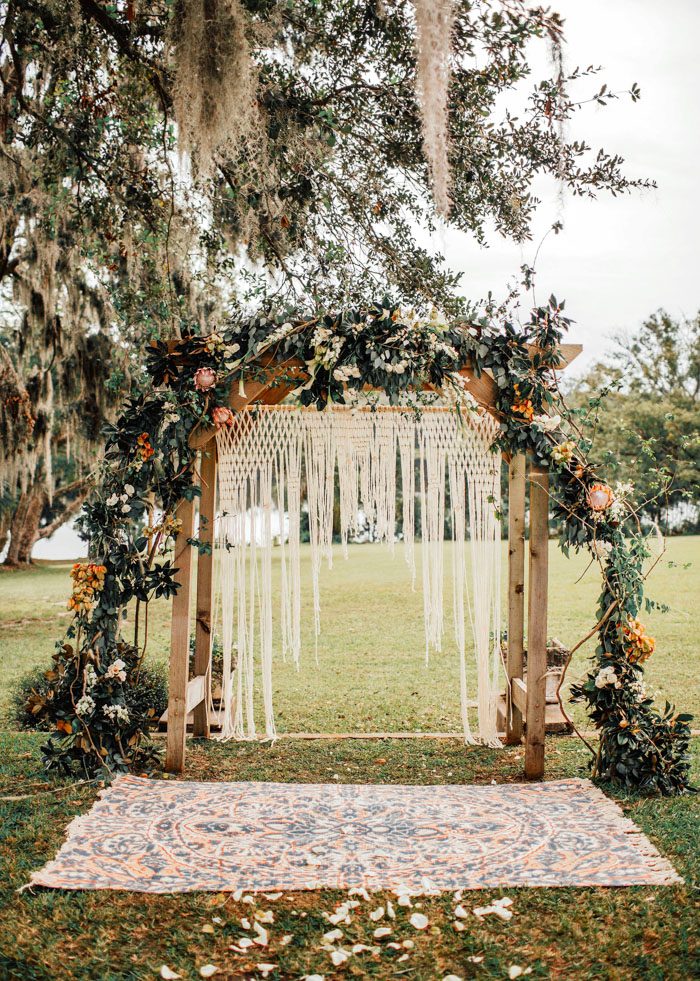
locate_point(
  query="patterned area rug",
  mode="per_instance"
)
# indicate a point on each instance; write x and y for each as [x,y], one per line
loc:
[175,836]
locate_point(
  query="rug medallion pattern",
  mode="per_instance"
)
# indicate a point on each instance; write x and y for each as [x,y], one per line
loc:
[177,836]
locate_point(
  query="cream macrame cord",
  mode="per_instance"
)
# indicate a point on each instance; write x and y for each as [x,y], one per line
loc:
[264,460]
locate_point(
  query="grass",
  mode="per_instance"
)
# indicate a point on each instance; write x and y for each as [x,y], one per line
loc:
[635,933]
[370,674]
[372,624]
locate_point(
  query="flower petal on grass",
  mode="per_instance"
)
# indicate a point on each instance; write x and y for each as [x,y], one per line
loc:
[419,921]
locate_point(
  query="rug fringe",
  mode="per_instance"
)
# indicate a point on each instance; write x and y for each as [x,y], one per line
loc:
[612,812]
[73,828]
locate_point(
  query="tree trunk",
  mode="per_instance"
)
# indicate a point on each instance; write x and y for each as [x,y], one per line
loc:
[24,527]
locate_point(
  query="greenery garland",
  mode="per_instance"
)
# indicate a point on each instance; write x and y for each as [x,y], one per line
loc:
[149,466]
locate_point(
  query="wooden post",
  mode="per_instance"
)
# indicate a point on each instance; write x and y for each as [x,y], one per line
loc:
[205,564]
[180,643]
[516,591]
[537,624]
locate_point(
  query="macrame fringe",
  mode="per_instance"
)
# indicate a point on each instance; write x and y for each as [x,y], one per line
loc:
[263,460]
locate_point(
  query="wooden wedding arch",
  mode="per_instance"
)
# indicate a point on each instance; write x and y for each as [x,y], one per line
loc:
[526,702]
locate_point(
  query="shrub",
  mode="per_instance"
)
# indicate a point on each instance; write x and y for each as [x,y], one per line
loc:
[31,696]
[217,658]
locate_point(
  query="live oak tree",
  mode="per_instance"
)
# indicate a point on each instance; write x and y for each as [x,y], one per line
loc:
[164,164]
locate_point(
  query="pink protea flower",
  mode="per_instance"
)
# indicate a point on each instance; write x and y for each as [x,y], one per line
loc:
[204,379]
[222,416]
[600,497]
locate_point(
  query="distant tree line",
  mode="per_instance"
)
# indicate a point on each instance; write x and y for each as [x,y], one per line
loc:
[640,406]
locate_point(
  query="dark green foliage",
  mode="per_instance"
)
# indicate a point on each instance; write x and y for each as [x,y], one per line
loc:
[145,697]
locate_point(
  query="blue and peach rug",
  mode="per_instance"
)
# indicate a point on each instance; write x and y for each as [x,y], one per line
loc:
[173,836]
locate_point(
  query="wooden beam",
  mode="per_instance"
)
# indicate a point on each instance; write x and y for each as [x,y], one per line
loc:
[482,388]
[568,353]
[196,692]
[537,624]
[180,643]
[519,695]
[516,591]
[269,391]
[205,567]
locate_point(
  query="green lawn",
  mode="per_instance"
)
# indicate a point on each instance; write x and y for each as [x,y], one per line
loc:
[370,675]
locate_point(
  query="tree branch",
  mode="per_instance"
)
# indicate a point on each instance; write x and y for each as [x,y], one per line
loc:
[65,515]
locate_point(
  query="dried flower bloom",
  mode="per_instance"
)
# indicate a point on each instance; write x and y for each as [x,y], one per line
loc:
[222,416]
[600,497]
[564,452]
[204,379]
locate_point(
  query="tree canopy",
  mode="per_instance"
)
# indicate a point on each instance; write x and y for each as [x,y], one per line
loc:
[167,165]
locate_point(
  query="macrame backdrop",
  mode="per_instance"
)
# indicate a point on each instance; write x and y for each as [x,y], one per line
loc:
[263,460]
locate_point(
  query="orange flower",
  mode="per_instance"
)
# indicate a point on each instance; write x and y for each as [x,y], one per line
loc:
[522,407]
[88,580]
[639,645]
[600,497]
[144,447]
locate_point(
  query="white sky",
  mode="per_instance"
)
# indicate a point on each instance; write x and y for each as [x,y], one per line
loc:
[618,259]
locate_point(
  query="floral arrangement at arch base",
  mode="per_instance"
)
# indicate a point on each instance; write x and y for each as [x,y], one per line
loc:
[149,466]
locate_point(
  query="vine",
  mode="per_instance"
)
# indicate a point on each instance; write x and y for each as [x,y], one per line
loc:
[150,465]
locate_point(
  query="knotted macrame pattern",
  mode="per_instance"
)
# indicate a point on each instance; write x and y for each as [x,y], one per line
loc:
[272,452]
